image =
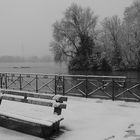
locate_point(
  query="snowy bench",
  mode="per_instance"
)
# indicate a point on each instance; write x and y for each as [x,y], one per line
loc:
[51,121]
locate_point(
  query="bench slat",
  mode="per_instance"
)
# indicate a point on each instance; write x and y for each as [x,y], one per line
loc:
[35,95]
[29,94]
[36,102]
[50,104]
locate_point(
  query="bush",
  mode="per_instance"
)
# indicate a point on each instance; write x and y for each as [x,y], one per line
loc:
[104,65]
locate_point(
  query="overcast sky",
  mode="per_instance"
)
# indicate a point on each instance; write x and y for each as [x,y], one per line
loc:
[26,25]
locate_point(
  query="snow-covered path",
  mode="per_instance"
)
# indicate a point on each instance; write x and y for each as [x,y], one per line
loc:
[89,119]
[97,119]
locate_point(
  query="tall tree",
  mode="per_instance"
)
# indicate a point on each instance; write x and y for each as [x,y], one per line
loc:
[111,36]
[74,36]
[132,22]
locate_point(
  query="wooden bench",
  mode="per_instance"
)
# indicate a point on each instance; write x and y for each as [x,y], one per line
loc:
[52,120]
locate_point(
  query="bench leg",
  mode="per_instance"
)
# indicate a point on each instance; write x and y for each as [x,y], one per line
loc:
[47,131]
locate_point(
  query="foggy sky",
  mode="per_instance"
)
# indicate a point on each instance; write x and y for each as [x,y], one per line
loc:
[26,25]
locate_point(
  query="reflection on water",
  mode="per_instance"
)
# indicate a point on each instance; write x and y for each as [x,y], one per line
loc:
[53,68]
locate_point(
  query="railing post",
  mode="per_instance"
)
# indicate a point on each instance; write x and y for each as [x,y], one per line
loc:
[86,88]
[63,86]
[104,84]
[6,80]
[20,82]
[113,90]
[36,83]
[1,80]
[55,85]
[124,86]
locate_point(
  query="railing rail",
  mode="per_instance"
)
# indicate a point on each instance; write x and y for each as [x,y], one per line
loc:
[89,86]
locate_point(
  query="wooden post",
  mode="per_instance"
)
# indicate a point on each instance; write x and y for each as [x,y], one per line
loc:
[25,97]
[57,110]
[36,83]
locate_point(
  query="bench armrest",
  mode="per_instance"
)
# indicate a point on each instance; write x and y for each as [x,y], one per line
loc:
[59,98]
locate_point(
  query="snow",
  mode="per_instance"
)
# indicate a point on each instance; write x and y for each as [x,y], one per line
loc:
[85,119]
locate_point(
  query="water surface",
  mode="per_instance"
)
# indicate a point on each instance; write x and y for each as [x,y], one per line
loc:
[53,68]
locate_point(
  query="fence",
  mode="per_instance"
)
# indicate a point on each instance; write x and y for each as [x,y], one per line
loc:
[109,87]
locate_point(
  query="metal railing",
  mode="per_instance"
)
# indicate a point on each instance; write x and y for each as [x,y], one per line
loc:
[89,86]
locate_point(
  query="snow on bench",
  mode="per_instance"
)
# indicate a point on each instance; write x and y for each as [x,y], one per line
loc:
[49,123]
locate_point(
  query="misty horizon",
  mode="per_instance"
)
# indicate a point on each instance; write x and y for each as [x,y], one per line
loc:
[7,58]
[26,26]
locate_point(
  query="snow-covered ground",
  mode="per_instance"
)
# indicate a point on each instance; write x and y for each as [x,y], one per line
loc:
[86,119]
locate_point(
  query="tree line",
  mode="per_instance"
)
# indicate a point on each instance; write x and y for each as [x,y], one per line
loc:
[85,44]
